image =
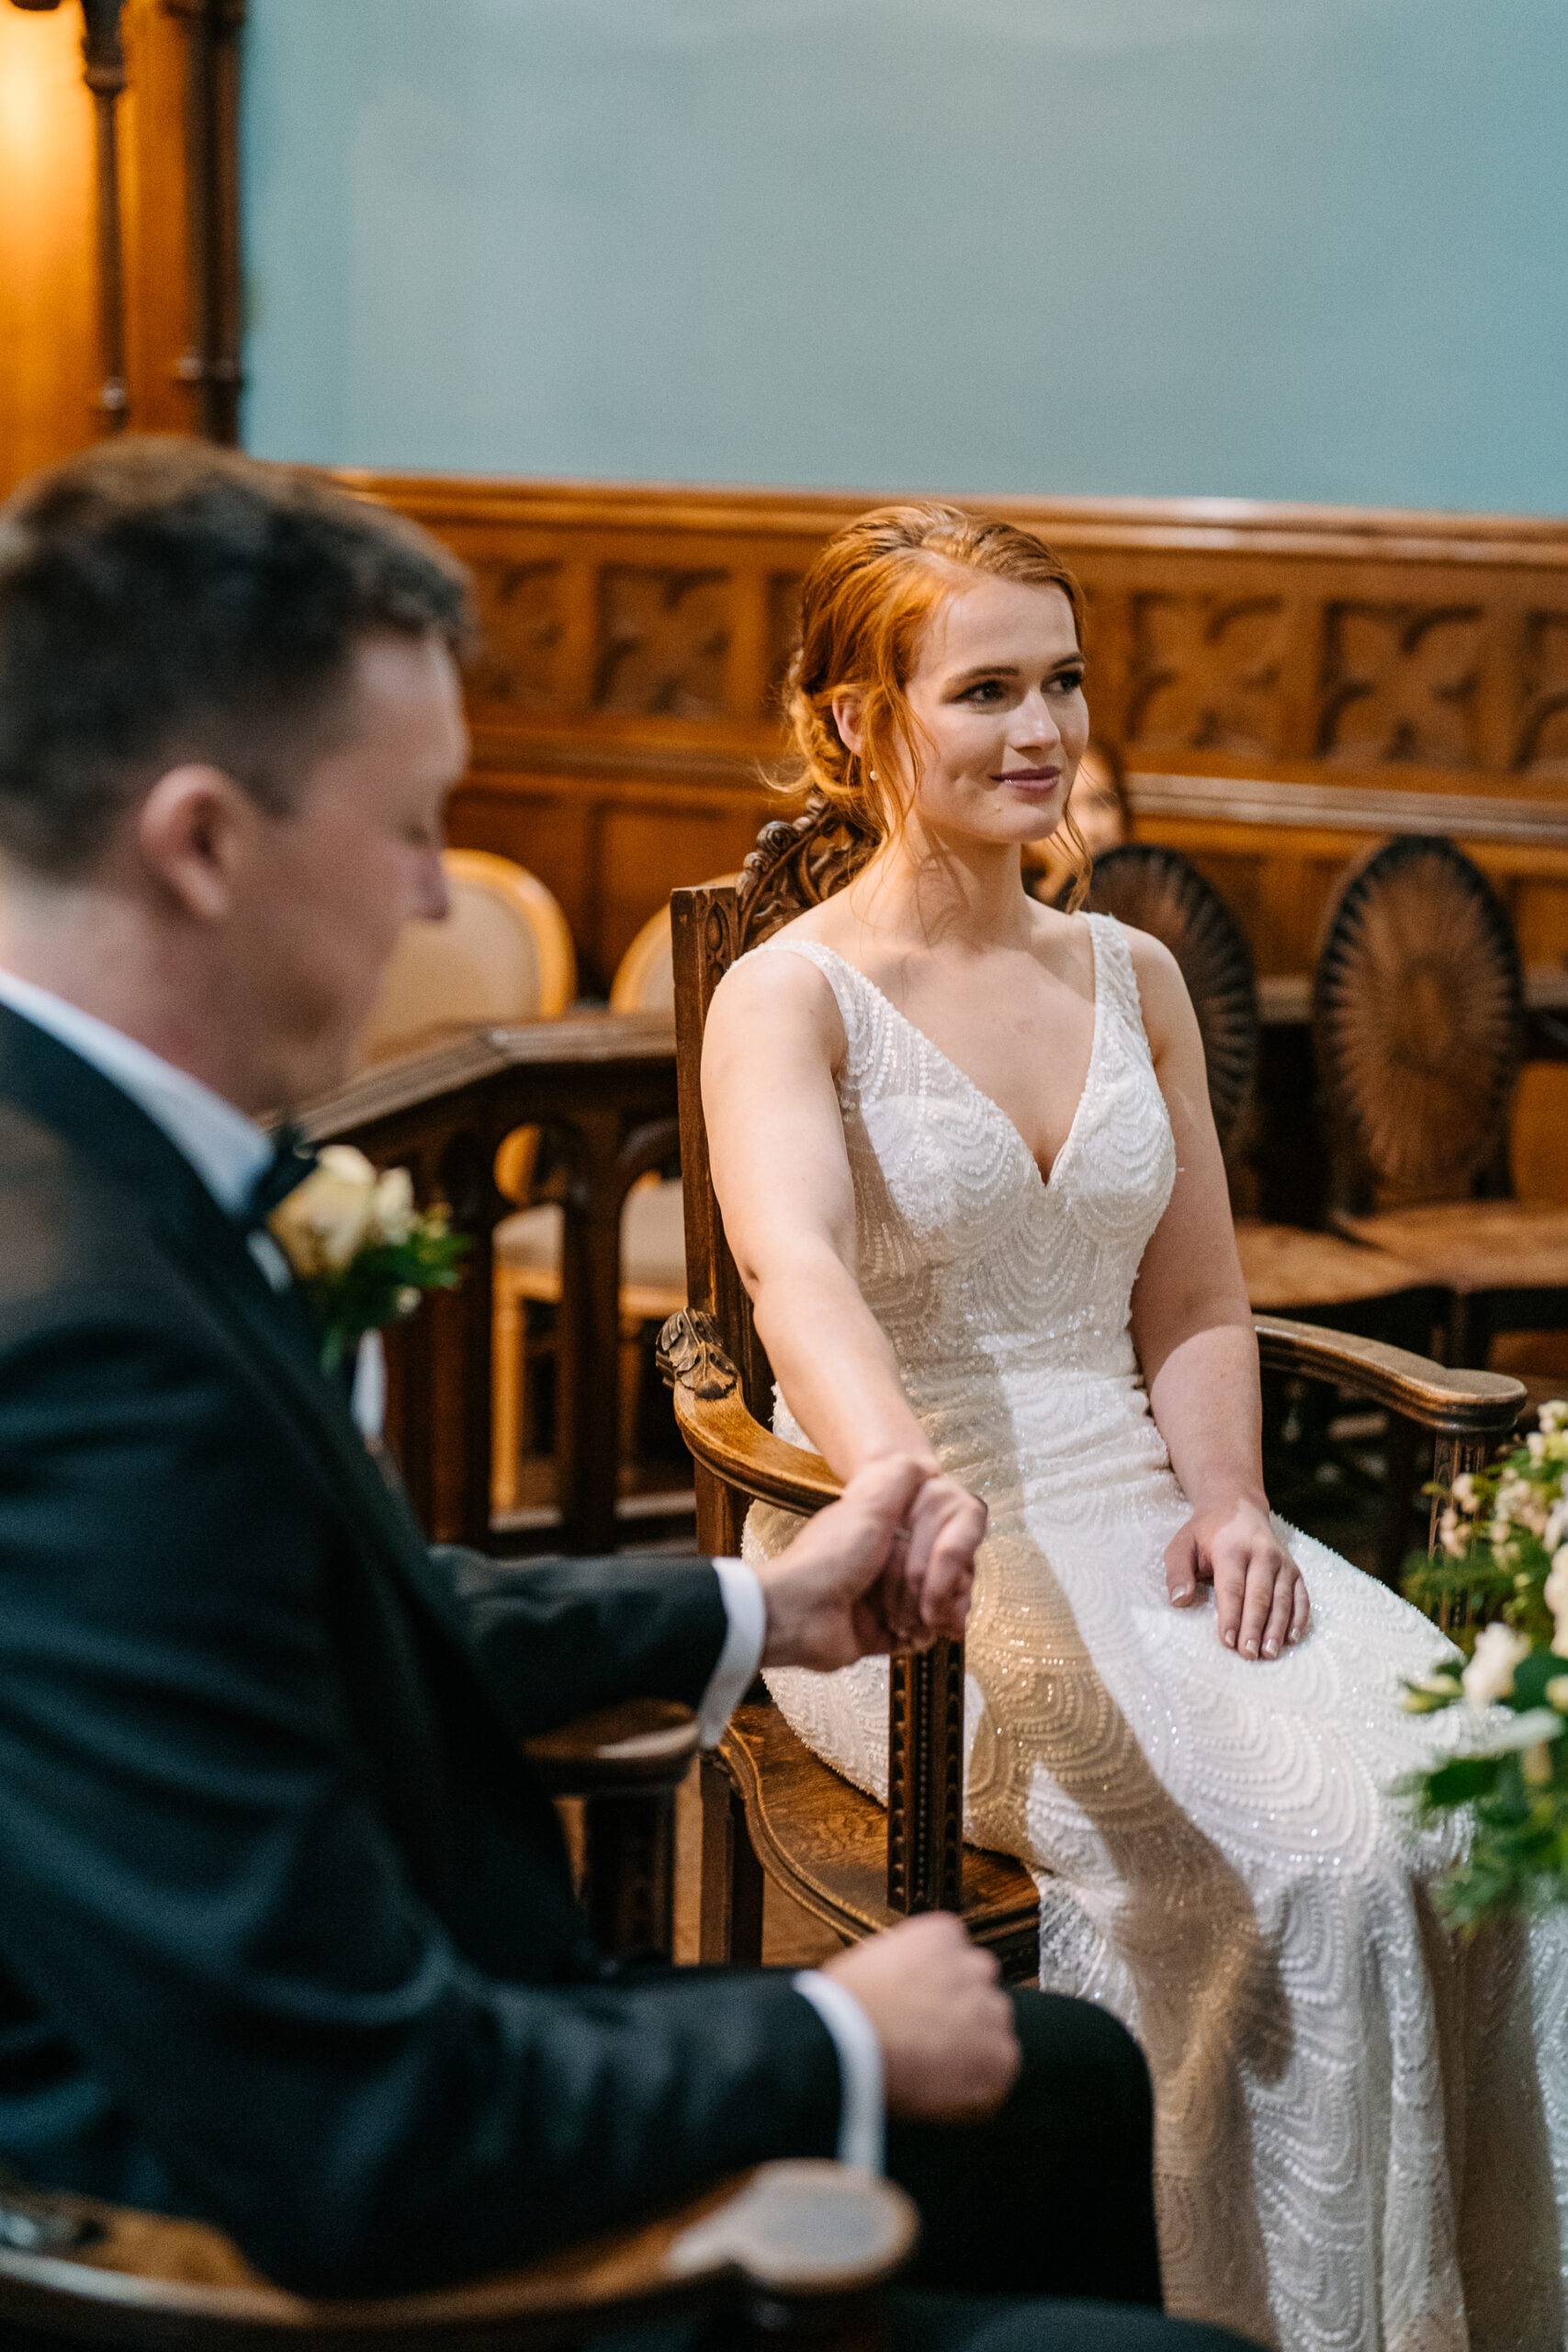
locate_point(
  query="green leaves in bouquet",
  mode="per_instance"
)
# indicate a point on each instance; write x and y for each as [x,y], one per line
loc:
[1499,1586]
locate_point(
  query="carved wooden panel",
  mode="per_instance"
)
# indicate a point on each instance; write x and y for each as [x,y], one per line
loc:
[1400,685]
[521,622]
[663,635]
[1207,673]
[1286,685]
[1544,717]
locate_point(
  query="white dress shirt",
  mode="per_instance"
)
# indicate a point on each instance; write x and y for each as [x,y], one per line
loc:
[228,1151]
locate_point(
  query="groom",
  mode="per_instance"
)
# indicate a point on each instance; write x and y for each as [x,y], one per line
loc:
[287,1939]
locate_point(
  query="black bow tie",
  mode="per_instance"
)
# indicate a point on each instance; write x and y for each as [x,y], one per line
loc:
[291,1162]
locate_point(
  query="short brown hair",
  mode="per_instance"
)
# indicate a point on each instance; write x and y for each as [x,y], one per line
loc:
[164,599]
[864,605]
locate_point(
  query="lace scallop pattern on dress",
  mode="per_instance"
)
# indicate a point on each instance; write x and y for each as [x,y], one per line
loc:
[1362,2124]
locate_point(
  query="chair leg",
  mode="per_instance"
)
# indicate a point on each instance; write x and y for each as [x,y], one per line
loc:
[731,1923]
[506,1378]
[629,1880]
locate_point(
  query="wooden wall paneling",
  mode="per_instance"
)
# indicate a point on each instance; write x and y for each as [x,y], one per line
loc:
[1285,685]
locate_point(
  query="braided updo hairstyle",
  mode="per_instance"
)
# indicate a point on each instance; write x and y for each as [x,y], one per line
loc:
[864,605]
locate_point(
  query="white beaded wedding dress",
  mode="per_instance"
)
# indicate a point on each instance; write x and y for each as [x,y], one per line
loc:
[1362,2122]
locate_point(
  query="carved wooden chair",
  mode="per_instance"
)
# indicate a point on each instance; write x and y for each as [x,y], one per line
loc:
[1289,1269]
[1418,1028]
[788,2252]
[768,1805]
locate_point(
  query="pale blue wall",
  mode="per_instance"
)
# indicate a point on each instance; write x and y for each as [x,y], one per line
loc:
[1310,249]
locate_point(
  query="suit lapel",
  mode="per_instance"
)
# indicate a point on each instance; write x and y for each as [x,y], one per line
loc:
[274,1333]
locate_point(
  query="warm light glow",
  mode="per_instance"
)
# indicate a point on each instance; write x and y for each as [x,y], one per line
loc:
[48,334]
[29,123]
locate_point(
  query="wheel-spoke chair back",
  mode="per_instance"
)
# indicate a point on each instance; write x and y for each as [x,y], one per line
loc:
[822,1839]
[1418,1030]
[1157,890]
[1417,1024]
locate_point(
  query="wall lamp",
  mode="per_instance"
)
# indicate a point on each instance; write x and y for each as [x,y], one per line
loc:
[102,56]
[211,365]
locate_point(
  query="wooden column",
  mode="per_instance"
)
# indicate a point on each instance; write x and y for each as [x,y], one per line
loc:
[211,362]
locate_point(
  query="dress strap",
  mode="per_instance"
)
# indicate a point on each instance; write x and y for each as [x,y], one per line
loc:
[1115,980]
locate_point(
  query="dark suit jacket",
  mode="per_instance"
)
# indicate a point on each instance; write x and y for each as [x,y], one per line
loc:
[287,1934]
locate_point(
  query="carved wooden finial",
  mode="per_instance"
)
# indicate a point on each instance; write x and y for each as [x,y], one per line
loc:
[796,864]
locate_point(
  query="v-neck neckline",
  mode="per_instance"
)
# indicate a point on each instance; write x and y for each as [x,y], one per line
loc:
[1045,1177]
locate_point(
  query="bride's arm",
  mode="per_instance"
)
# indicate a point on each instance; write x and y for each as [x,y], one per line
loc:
[773,1042]
[1192,1329]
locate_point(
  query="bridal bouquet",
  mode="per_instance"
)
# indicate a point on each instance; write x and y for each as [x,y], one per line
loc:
[361,1248]
[1504,1557]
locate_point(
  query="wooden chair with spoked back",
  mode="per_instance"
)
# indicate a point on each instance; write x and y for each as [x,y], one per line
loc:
[768,1805]
[1289,1269]
[1418,1029]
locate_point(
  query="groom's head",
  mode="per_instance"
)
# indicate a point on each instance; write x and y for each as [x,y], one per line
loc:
[230,718]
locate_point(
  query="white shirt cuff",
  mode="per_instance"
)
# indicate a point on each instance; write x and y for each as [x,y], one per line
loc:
[744,1634]
[860,2118]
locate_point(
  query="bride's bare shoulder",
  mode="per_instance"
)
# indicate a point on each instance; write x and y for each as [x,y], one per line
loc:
[771,1001]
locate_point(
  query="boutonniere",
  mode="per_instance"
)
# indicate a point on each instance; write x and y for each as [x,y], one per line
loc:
[362,1249]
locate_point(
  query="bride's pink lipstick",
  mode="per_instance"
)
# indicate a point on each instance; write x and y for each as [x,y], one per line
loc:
[1036,784]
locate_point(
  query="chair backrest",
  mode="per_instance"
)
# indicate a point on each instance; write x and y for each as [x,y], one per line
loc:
[794,866]
[645,977]
[1417,1025]
[504,953]
[1157,890]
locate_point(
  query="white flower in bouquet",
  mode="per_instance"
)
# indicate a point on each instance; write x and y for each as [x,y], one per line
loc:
[1490,1673]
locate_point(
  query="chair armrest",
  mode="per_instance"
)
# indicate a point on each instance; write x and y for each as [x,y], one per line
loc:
[719,1431]
[799,2234]
[1472,1405]
[642,1746]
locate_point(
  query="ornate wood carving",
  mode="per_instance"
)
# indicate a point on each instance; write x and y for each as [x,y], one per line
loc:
[1418,1021]
[663,635]
[1543,718]
[1400,684]
[798,862]
[1207,672]
[520,615]
[1289,673]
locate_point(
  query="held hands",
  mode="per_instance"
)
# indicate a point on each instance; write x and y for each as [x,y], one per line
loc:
[950,2050]
[890,1566]
[1260,1600]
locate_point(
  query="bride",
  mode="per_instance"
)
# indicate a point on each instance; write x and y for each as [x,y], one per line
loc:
[963,1146]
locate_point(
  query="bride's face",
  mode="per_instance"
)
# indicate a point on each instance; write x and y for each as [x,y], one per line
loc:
[997,696]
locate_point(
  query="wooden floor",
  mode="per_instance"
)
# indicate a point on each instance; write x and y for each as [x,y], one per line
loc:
[791,1938]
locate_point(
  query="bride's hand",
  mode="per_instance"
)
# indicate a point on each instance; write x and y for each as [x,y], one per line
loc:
[927,1586]
[1260,1599]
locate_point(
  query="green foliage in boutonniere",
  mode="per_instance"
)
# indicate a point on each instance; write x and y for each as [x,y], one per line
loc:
[362,1249]
[1502,1568]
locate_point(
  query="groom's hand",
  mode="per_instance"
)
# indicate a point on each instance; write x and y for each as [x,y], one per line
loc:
[874,1572]
[950,2050]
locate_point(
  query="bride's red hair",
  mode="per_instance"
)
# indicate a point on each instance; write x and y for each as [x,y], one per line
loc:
[864,605]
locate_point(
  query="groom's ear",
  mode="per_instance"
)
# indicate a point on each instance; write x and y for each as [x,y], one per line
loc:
[848,713]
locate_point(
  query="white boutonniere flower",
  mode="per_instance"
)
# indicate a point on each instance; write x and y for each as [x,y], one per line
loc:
[362,1247]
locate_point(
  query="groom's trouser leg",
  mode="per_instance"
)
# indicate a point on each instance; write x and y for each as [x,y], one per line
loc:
[1054,2194]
